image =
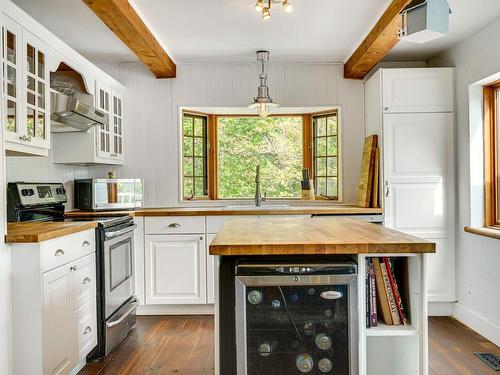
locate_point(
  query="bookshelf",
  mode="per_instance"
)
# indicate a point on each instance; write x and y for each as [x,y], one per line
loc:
[396,349]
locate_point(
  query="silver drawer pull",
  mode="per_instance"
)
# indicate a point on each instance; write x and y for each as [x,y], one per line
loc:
[85,243]
[59,252]
[87,331]
[72,268]
[86,281]
[174,225]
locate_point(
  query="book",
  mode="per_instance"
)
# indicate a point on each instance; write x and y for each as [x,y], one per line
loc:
[367,293]
[382,302]
[396,320]
[395,291]
[373,297]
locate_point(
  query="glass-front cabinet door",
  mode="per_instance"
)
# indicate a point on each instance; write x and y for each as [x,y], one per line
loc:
[14,127]
[103,133]
[36,79]
[117,122]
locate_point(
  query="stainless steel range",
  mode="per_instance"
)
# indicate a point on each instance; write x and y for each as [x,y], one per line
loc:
[296,318]
[116,300]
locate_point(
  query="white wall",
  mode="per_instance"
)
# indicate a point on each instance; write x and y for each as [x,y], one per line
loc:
[151,110]
[152,107]
[478,258]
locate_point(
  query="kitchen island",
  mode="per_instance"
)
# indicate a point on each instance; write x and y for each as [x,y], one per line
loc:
[296,254]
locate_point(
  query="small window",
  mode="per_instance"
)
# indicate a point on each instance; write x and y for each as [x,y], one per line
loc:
[492,154]
[325,155]
[195,157]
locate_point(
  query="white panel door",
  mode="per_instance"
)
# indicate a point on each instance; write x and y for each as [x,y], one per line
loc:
[175,269]
[212,271]
[418,90]
[418,187]
[59,337]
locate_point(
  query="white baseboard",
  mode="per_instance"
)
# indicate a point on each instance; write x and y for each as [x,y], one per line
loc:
[477,322]
[440,308]
[175,310]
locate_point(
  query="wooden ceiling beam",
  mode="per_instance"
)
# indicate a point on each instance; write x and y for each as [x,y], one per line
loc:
[381,39]
[126,24]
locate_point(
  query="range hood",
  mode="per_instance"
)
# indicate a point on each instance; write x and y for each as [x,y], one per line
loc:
[72,107]
[74,112]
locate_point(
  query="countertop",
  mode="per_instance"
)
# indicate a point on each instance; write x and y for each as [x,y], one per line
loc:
[43,231]
[334,209]
[301,236]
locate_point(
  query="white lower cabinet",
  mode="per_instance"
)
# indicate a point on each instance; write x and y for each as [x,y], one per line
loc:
[54,311]
[175,269]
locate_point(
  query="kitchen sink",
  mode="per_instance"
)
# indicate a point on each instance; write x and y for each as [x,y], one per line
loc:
[243,207]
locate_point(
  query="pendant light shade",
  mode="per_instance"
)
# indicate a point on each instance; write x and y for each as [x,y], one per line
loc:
[263,101]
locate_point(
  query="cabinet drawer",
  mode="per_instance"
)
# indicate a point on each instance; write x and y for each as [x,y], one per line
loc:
[56,252]
[215,223]
[86,328]
[175,224]
[83,243]
[84,286]
[63,250]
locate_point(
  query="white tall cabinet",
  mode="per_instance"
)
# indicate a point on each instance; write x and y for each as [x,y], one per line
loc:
[412,112]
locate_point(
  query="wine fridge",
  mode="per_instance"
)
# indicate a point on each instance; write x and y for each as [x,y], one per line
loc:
[296,319]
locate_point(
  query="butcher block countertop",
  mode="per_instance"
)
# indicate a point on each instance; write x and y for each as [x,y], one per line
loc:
[334,209]
[303,236]
[39,232]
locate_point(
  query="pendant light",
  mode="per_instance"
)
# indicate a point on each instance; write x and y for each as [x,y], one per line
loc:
[263,101]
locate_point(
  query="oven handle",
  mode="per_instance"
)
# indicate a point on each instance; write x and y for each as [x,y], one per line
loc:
[121,231]
[133,305]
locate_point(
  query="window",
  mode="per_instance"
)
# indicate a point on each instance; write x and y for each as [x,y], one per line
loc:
[195,158]
[325,145]
[221,152]
[492,154]
[274,143]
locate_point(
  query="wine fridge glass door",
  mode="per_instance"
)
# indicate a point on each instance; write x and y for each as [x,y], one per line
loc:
[285,326]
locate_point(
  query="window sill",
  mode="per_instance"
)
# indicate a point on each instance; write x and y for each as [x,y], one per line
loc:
[486,231]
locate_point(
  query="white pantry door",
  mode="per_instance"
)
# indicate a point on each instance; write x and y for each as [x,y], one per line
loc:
[418,189]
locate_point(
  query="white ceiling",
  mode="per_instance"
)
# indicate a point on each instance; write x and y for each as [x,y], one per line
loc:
[231,30]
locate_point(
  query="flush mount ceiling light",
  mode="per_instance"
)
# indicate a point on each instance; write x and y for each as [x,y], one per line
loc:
[263,101]
[264,7]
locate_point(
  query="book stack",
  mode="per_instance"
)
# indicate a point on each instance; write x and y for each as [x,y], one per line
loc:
[383,297]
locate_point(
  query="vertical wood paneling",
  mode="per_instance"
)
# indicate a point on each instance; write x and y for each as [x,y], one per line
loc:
[152,119]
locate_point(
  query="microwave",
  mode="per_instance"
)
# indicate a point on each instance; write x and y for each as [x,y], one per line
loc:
[102,194]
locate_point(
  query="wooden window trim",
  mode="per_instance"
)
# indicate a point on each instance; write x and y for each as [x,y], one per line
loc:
[212,152]
[492,219]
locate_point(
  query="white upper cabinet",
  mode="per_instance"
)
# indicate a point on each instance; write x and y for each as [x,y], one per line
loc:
[417,90]
[109,137]
[26,103]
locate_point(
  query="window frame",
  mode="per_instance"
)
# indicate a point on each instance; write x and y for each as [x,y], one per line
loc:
[212,152]
[491,97]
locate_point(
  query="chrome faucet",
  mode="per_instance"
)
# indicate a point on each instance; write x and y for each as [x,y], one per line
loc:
[258,196]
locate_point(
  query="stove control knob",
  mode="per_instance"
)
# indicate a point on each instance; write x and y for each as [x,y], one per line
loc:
[304,363]
[265,349]
[255,297]
[325,365]
[24,192]
[31,192]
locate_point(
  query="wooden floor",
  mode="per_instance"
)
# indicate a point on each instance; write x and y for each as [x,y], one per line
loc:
[184,345]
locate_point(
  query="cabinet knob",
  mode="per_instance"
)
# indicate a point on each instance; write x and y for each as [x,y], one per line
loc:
[72,268]
[87,330]
[85,243]
[386,108]
[174,225]
[59,252]
[86,281]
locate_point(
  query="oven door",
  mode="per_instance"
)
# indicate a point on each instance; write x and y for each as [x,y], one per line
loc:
[284,323]
[110,194]
[119,283]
